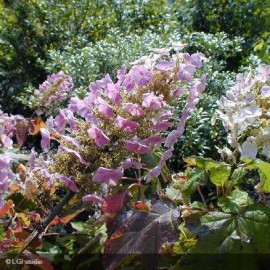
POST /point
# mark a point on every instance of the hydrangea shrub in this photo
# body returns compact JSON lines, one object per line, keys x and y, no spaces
{"x":244,"y":112}
{"x":109,"y":130}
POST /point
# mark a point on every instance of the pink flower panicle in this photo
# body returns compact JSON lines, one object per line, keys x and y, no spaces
{"x":52,"y":92}
{"x":6,"y":176}
{"x":132,"y":101}
{"x":108,"y":176}
{"x":100,"y":138}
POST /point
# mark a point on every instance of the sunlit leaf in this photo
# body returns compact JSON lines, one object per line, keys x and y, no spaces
{"x":35,"y":125}
{"x":68,"y":218}
{"x":191,"y":161}
{"x":264,"y":171}
{"x":141,"y":206}
{"x":5,"y":208}
{"x":25,"y":219}
{"x":219,"y":174}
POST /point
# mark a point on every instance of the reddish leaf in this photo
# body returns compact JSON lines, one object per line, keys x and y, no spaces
{"x":35,"y":217}
{"x":114,"y":203}
{"x":68,"y":218}
{"x":142,"y":233}
{"x":54,"y":221}
{"x":142,"y":206}
{"x":4,"y":210}
{"x":18,"y":228}
{"x":35,"y":125}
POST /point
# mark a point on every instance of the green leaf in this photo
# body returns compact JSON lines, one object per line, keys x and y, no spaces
{"x":250,"y":223}
{"x":186,"y":240}
{"x":233,"y":202}
{"x":244,"y":233}
{"x":191,"y":161}
{"x":1,"y":232}
{"x":82,"y":227}
{"x":49,"y":251}
{"x":264,"y":172}
{"x":219,"y":174}
{"x":239,"y":197}
{"x":201,"y":162}
{"x":197,"y":204}
{"x":196,"y":176}
{"x":173,"y":193}
{"x":238,"y":175}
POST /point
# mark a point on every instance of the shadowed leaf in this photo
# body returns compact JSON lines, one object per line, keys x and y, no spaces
{"x":142,"y":233}
{"x":232,"y":236}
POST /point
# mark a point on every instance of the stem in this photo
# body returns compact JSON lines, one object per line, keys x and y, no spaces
{"x":202,"y":197}
{"x":64,"y":234}
{"x":90,"y":243}
{"x":194,"y":208}
{"x":140,"y":191}
{"x":56,"y":210}
{"x":130,"y":178}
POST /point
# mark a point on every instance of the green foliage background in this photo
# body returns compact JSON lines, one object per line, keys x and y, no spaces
{"x":89,"y":38}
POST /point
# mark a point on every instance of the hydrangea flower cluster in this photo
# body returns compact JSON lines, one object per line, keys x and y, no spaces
{"x":7,"y":131}
{"x":244,"y":112}
{"x":51,"y":93}
{"x":108,"y":131}
{"x":6,"y":176}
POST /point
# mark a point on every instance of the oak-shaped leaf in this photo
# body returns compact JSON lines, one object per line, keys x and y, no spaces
{"x":237,"y":240}
{"x":233,"y":202}
{"x":143,"y":233}
{"x":113,"y":203}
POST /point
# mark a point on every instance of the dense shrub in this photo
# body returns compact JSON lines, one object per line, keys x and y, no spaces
{"x":113,"y":143}
{"x":95,"y":60}
{"x":31,"y":28}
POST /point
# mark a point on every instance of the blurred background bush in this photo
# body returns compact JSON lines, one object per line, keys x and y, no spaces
{"x":89,"y":38}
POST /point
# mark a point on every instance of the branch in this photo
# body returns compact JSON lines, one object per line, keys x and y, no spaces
{"x":202,"y":197}
{"x":56,"y":210}
{"x":64,"y":234}
{"x":90,"y":243}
